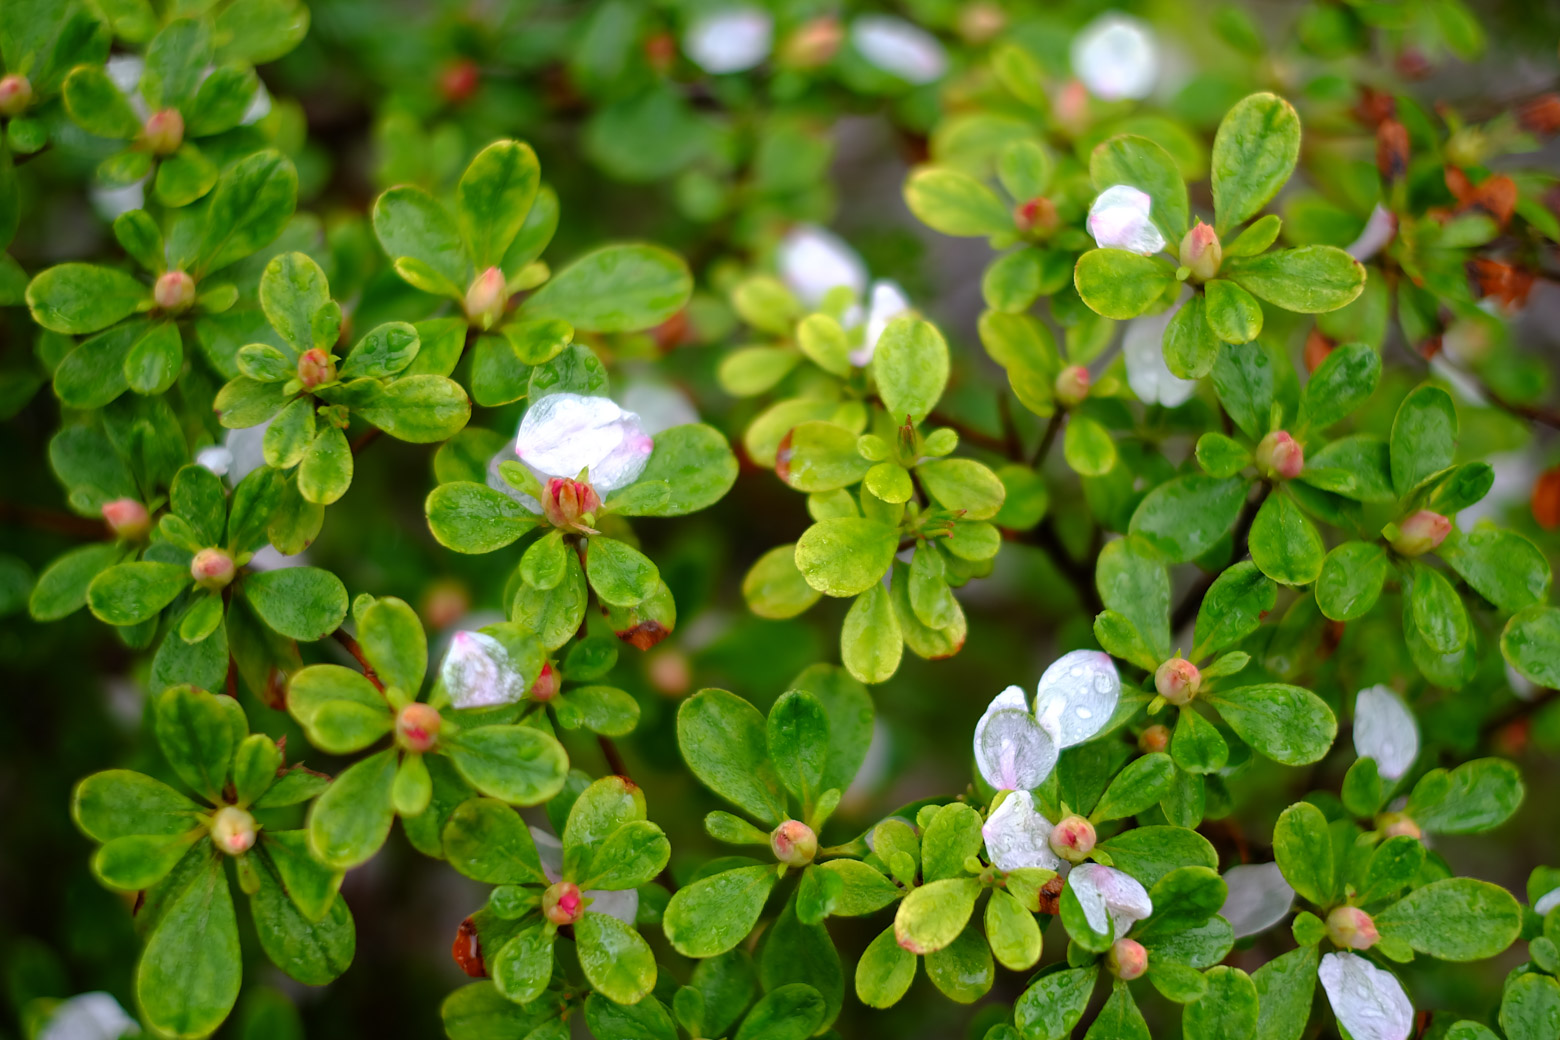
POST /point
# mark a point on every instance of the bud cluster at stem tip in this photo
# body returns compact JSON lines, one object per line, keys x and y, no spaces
{"x":1351,"y":928}
{"x":315,"y":368}
{"x":1419,"y":533}
{"x":16,"y":93}
{"x":233,"y":830}
{"x":1280,"y":457}
{"x":174,"y":292}
{"x":1201,"y":254}
{"x":1177,"y":680}
{"x":487,"y":298}
{"x":1073,"y":839}
{"x":164,"y":132}
{"x":563,"y":903}
{"x":1071,"y":386}
{"x":794,"y":843}
{"x":1127,"y":959}
{"x":417,"y":727}
{"x":127,"y":519}
{"x":570,"y":503}
{"x":212,"y":569}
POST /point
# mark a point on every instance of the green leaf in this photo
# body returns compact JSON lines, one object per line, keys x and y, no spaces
{"x":1351,"y":580}
{"x":306,"y":603}
{"x":515,"y":764}
{"x":1185,"y":517}
{"x":1476,"y":796}
{"x":820,"y":456}
{"x":188,"y":977}
{"x":411,"y":225}
{"x":910,"y":366}
{"x":1302,"y":845}
{"x":1121,"y":285}
{"x":312,"y":952}
{"x":1054,"y":1004}
{"x":418,"y":409}
{"x":1136,"y":788}
{"x":97,"y":106}
{"x":1233,"y":314}
{"x":1228,"y":1009}
{"x":790,"y":1012}
{"x":1341,"y":383}
{"x":61,"y":589}
{"x":473,"y":518}
{"x":494,"y":198}
{"x":951,"y":838}
{"x":1088,"y":447}
{"x":1286,"y":723}
{"x":80,"y":298}
{"x":964,"y":485}
{"x":1437,"y":610}
{"x":846,"y":556}
{"x":120,"y":803}
{"x":933,"y":915}
{"x":221,"y":100}
{"x":198,"y":733}
{"x":1307,"y":280}
{"x":326,"y":470}
{"x":1455,"y":919}
{"x":1232,"y":608}
{"x":487,"y":841}
{"x":1424,"y":437}
{"x":1254,"y":153}
{"x":351,"y":820}
{"x":798,"y":739}
{"x":1012,"y":932}
{"x":1120,"y":1018}
{"x":252,"y":202}
{"x":871,"y":640}
{"x":129,"y":593}
{"x":1285,"y":544}
{"x":617,"y":288}
{"x":1530,"y":642}
{"x":391,"y":637}
{"x":138,"y":861}
{"x":620,"y":574}
{"x":615,"y":959}
{"x":1197,"y":745}
{"x":794,"y":952}
{"x":962,"y":971}
{"x":155,"y":359}
{"x":1143,"y":164}
{"x":884,"y":972}
{"x":1285,"y":986}
{"x":724,"y":741}
{"x":717,"y":912}
{"x":955,"y":203}
{"x":294,"y":293}
{"x":524,"y":965}
{"x":1190,"y":346}
{"x":1502,"y":566}
{"x":774,"y":587}
{"x":1530,"y":1007}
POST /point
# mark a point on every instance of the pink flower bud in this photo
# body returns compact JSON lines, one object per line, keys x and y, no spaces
{"x":1201,"y":252}
{"x":563,"y":903}
{"x":459,"y":80}
{"x":174,"y":292}
{"x":315,"y":368}
{"x":1398,"y":825}
{"x":1037,"y":217}
{"x":233,"y":830}
{"x":16,"y":93}
{"x":1418,"y":534}
{"x":545,"y":688}
{"x":444,"y":603}
{"x":570,"y":503}
{"x":417,"y":727}
{"x":1154,"y":738}
{"x":1073,"y":839}
{"x":212,"y":569}
{"x":815,"y":43}
{"x":669,"y":672}
{"x":1177,"y":680}
{"x":487,"y":298}
{"x":127,"y":519}
{"x":980,"y":22}
{"x":1127,"y":959}
{"x":1280,"y":457}
{"x":794,"y":843}
{"x":1071,"y":386}
{"x":164,"y":132}
{"x":1351,"y":928}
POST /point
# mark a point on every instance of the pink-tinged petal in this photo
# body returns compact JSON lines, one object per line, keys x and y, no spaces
{"x":1018,"y":836}
{"x":732,"y":39}
{"x":1012,"y":752}
{"x":1078,"y":695}
{"x":899,"y":48}
{"x":1109,"y":898}
{"x":888,"y":302}
{"x":1119,"y":220}
{"x":565,"y":433}
{"x":1385,"y":730}
{"x":623,"y":905}
{"x":477,"y":672}
{"x":1369,"y":1001}
{"x":550,"y":851}
{"x":90,"y":1016}
{"x":1147,"y":374}
{"x":1115,"y":57}
{"x":1258,"y":898}
{"x":813,"y":261}
{"x":1379,"y":231}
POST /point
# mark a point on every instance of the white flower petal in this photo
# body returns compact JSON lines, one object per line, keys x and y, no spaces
{"x":1018,"y":836}
{"x":550,"y":851}
{"x":477,"y":672}
{"x":565,"y":433}
{"x":216,"y":458}
{"x":270,"y":558}
{"x":1385,"y":730}
{"x":246,"y":447}
{"x":813,"y":260}
{"x":1109,"y":895}
{"x":1078,"y":695}
{"x":125,"y":71}
{"x":1369,"y":1001}
{"x":1115,"y":57}
{"x":111,"y":203}
{"x":622,"y":905}
{"x":1119,"y":220}
{"x":496,"y":481}
{"x":1379,"y":230}
{"x":1547,"y":902}
{"x":1147,"y":374}
{"x":90,"y":1016}
{"x":1258,"y":898}
{"x":1012,"y":752}
{"x":899,"y":48}
{"x":660,"y":406}
{"x":733,"y":39}
{"x":888,"y":302}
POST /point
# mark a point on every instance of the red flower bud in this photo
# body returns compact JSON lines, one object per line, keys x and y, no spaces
{"x":1546,"y":499}
{"x":174,"y":292}
{"x":545,"y":688}
{"x":1154,"y":738}
{"x":417,"y":727}
{"x":1280,"y":457}
{"x":661,"y":51}
{"x":1177,"y":680}
{"x":794,"y":843}
{"x":459,"y":80}
{"x":1072,"y":839}
{"x":164,"y":132}
{"x":1127,"y":959}
{"x":1351,"y":928}
{"x":16,"y":93}
{"x":1071,"y":386}
{"x":212,"y":569}
{"x":1418,"y":534}
{"x":570,"y":503}
{"x":127,"y":519}
{"x":233,"y":830}
{"x":1037,"y":216}
{"x":1201,"y":252}
{"x":487,"y":298}
{"x":563,"y":903}
{"x":315,"y":368}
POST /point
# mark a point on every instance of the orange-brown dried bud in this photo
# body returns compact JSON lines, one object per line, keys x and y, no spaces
{"x":1391,"y":149}
{"x":1546,"y":499}
{"x":1154,"y":738}
{"x":1541,"y":115}
{"x":459,"y":80}
{"x":1502,"y":281}
{"x":661,"y":51}
{"x":1374,"y":106}
{"x":467,"y":950}
{"x":1317,"y":347}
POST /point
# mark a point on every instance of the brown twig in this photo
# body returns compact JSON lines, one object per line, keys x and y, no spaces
{"x":979,"y":438}
{"x":1517,"y":712}
{"x":52,"y":520}
{"x":364,"y":439}
{"x":341,"y":636}
{"x":614,"y":757}
{"x":1186,"y":610}
{"x":1052,"y":428}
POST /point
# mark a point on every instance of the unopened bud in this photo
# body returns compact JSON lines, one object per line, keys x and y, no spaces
{"x":127,"y":519}
{"x":670,"y":672}
{"x":444,"y":603}
{"x":315,"y":368}
{"x":487,"y":298}
{"x":1279,"y":456}
{"x":1351,"y":928}
{"x":1418,"y":534}
{"x":661,"y":51}
{"x":212,"y":569}
{"x":164,"y":132}
{"x":545,"y":688}
{"x":1127,"y":959}
{"x":570,"y":503}
{"x":16,"y":93}
{"x":1037,"y":217}
{"x":174,"y":292}
{"x":1539,"y":116}
{"x":1546,"y":499}
{"x":979,"y":22}
{"x":815,"y":43}
{"x":563,"y":903}
{"x":417,"y":727}
{"x":1154,"y":738}
{"x":1177,"y":680}
{"x":1071,"y":386}
{"x":1072,"y":839}
{"x":233,"y":830}
{"x":1398,"y":825}
{"x":794,"y":843}
{"x":1391,"y":149}
{"x":459,"y":80}
{"x":1201,"y":252}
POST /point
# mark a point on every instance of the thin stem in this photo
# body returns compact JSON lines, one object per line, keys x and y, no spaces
{"x":1186,"y":610}
{"x":53,"y":520}
{"x":968,"y":433}
{"x":1052,"y":428}
{"x":614,"y":757}
{"x":364,"y":439}
{"x":352,"y":647}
